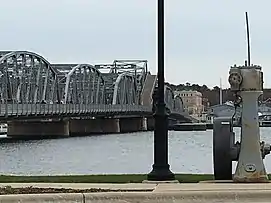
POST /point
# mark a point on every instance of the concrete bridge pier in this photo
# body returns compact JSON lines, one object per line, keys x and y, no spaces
{"x":132,"y":124}
{"x":150,"y":124}
{"x":94,"y":126}
{"x":37,"y":129}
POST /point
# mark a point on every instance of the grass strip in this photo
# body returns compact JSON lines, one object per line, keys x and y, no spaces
{"x":35,"y":190}
{"x":108,"y":178}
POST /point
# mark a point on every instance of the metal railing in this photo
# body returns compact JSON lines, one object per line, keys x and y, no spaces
{"x":29,"y":111}
{"x":17,"y":110}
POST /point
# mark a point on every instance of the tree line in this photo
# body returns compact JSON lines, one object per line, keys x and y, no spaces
{"x":211,"y":95}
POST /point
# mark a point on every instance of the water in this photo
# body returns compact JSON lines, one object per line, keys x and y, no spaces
{"x":189,"y":152}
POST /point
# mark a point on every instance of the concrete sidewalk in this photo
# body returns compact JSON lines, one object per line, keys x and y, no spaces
{"x":161,"y":187}
{"x":158,"y":193}
{"x":130,"y":186}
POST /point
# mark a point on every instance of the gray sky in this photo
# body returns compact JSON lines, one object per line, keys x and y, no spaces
{"x":203,"y":37}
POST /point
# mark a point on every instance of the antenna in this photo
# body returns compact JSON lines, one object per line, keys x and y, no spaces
{"x":220,"y":93}
{"x":248,"y":40}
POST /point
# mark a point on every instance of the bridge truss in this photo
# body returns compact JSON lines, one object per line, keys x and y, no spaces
{"x":31,"y":85}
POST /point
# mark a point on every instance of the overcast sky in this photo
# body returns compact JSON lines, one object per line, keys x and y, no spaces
{"x":203,"y":37}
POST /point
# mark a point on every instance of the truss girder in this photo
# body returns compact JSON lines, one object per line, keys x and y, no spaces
{"x":26,"y":77}
{"x":125,"y":90}
{"x":169,"y":98}
{"x":84,"y":85}
{"x":137,"y":68}
{"x":178,"y":104}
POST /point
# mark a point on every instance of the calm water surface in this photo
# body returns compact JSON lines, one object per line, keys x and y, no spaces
{"x":189,"y":152}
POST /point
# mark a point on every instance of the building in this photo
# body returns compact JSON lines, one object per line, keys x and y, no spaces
{"x":192,"y":101}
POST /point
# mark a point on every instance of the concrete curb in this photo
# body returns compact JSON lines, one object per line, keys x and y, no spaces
{"x":32,"y":198}
{"x":144,"y":197}
{"x":180,"y":197}
{"x":128,"y":186}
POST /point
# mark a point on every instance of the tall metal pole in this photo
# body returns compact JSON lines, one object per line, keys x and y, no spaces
{"x":248,"y":41}
{"x":161,"y":169}
{"x":220,"y":93}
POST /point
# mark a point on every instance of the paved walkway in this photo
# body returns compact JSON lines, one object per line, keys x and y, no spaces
{"x":158,"y":193}
{"x":130,"y":186}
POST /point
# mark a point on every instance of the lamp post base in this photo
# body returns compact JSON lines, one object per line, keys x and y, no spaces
{"x":160,"y":173}
{"x":161,"y":182}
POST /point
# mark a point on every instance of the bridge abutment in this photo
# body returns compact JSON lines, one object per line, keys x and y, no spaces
{"x":94,"y":126}
{"x":37,"y":129}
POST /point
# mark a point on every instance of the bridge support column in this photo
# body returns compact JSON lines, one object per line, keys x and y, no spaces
{"x":145,"y":124}
{"x":37,"y":129}
{"x":94,"y":126}
{"x":132,"y":124}
{"x":150,"y":124}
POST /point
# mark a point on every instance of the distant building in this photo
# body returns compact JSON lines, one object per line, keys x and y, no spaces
{"x":192,"y":101}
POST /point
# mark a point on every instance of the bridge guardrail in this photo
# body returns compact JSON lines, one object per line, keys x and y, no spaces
{"x":17,"y":110}
{"x":25,"y":111}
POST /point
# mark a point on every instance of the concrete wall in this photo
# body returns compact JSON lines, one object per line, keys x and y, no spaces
{"x":40,"y":129}
{"x":107,"y":125}
{"x":94,"y":126}
{"x":132,"y":124}
{"x":37,"y":128}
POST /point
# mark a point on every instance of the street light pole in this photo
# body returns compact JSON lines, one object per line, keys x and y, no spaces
{"x":161,"y":169}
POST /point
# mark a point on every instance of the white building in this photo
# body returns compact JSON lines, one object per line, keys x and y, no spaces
{"x":192,"y":101}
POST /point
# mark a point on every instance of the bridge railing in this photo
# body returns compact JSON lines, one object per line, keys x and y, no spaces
{"x":47,"y":110}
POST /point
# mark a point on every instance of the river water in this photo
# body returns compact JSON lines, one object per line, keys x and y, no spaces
{"x":189,"y":152}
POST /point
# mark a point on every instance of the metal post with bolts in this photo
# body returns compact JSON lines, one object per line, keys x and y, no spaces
{"x":247,"y":82}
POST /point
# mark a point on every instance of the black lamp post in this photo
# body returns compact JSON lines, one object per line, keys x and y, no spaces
{"x":161,"y":169}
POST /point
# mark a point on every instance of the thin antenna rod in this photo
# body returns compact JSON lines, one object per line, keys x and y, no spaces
{"x":248,"y":41}
{"x":220,"y":93}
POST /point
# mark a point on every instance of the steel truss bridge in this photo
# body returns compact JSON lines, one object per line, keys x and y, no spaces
{"x":30,"y":86}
